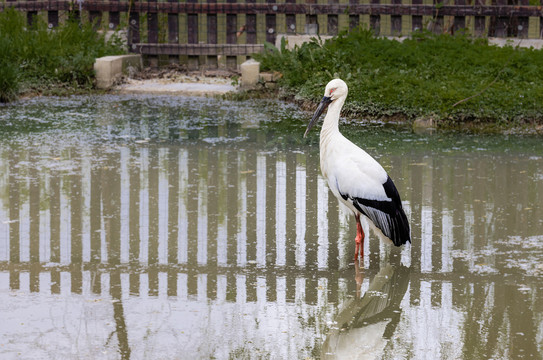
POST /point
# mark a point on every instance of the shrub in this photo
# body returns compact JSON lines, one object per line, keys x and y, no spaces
{"x":421,"y":76}
{"x":36,"y":58}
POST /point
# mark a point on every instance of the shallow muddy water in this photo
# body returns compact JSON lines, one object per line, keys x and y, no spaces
{"x":190,"y":228}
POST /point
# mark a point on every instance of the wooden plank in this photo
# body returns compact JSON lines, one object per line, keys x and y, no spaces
{"x":173,"y":32}
{"x":31,"y":16}
{"x":198,"y":49}
{"x":250,"y":26}
{"x":231,"y":28}
{"x":271,"y":24}
{"x":437,"y":21}
{"x":173,"y":27}
{"x":375,"y":19}
{"x":354,"y":19}
{"x":523,"y":22}
{"x":291,"y":20}
{"x":114,"y":18}
{"x":212,"y":62}
{"x":192,"y":27}
{"x":232,"y":24}
{"x":95,"y":18}
{"x":192,"y":35}
{"x":311,"y":20}
{"x":271,"y":32}
{"x":396,"y":21}
{"x":52,"y":19}
{"x":498,"y":24}
{"x":192,"y":22}
{"x":134,"y":29}
{"x":212,"y":29}
{"x":332,"y":20}
{"x":459,"y":21}
{"x":211,"y":20}
{"x":152,"y":25}
{"x":479,"y":21}
{"x":416,"y":20}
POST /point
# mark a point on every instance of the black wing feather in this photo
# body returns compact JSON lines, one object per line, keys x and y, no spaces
{"x":387,"y":215}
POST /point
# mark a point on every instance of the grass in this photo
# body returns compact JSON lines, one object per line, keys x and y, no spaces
{"x":39,"y":60}
{"x":422,"y":77}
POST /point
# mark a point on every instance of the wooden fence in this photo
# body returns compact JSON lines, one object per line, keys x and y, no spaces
{"x":224,"y":33}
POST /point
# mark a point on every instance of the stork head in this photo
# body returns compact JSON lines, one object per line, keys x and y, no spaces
{"x":334,"y":90}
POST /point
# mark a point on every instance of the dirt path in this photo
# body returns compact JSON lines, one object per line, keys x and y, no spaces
{"x":176,"y":80}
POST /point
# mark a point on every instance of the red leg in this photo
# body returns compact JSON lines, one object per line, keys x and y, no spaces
{"x":359,"y":240}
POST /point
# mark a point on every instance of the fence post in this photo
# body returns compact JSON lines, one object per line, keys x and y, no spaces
{"x":523,"y":22}
{"x":375,"y":20}
{"x":396,"y":21}
{"x":211,"y":19}
{"x":271,"y":22}
{"x":290,"y":19}
{"x":114,"y":18}
{"x":173,"y":32}
{"x":231,"y":29}
{"x":95,"y":17}
{"x":480,"y":21}
{"x":192,"y":37}
{"x":500,"y":28}
{"x":416,"y":20}
{"x":459,"y":21}
{"x":152,"y":32}
{"x":311,"y":21}
{"x":354,"y":19}
{"x":437,"y":25}
{"x":30,"y":15}
{"x":52,"y":18}
{"x":133,"y":29}
{"x":332,"y":28}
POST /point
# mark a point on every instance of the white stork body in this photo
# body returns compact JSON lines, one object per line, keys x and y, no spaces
{"x":356,"y":178}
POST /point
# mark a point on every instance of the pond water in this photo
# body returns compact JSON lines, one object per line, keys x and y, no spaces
{"x":185,"y":228}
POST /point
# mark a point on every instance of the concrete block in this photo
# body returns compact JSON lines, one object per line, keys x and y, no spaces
{"x":132,"y":61}
{"x":270,"y":76}
{"x":108,"y":69}
{"x":250,"y":71}
{"x":266,"y":77}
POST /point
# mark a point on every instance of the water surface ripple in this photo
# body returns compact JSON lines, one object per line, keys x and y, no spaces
{"x":182,"y":228}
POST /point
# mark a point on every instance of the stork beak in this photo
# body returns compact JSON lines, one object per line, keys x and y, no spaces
{"x":322,"y":106}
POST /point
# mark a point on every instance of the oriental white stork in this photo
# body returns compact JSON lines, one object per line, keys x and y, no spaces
{"x":355,"y":178}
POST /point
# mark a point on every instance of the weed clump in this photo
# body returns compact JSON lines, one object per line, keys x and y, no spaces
{"x":38,"y":59}
{"x":451,"y":78}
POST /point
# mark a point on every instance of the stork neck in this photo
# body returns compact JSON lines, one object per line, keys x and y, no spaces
{"x":331,"y":120}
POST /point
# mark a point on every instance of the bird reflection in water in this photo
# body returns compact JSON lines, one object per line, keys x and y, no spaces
{"x":366,"y":323}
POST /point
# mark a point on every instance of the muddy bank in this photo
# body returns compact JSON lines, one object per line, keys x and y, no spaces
{"x":223,"y":82}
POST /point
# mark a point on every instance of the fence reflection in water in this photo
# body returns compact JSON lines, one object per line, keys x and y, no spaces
{"x":249,"y":239}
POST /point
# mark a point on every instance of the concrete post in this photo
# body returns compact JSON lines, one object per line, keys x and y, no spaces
{"x":250,"y":71}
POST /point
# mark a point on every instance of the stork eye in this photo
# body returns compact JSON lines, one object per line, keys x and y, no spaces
{"x":332,"y":91}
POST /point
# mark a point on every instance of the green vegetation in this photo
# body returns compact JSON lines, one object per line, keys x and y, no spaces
{"x":423,"y":77}
{"x":37,"y":59}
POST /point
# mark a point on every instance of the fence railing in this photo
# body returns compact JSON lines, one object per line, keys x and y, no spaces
{"x":215,"y":33}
